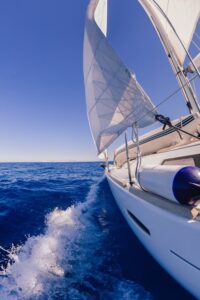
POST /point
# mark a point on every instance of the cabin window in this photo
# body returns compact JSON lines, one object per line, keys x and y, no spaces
{"x":138,"y":222}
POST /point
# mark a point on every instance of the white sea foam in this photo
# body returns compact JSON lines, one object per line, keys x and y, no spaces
{"x":57,"y":262}
{"x":41,"y":256}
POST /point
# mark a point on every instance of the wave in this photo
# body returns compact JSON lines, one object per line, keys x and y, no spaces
{"x":66,"y":261}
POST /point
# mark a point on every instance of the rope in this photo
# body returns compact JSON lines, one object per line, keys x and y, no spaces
{"x":186,"y":132}
{"x":168,"y":97}
{"x":167,"y":122}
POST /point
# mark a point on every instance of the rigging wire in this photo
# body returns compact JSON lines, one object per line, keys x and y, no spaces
{"x":195,"y":44}
{"x":194,"y":88}
{"x":128,"y":160}
{"x":168,"y":97}
{"x":139,"y":159}
{"x":135,"y":128}
{"x":167,"y":122}
{"x":196,"y":34}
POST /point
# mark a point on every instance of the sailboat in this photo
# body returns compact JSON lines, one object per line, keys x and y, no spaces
{"x":154,"y":178}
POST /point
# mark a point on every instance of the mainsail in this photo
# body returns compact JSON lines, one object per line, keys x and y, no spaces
{"x":175,"y":21}
{"x":115,"y":100}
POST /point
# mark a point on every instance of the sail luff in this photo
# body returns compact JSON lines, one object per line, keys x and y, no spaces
{"x":115,"y":100}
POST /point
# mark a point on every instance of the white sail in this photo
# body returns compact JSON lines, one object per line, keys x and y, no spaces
{"x":115,"y":100}
{"x":175,"y":20}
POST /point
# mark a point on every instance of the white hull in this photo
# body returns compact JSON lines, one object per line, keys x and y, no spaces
{"x":173,"y":241}
{"x":165,"y":228}
{"x":116,"y":101}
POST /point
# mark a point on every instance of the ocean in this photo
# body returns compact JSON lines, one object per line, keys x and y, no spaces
{"x":63,"y":237}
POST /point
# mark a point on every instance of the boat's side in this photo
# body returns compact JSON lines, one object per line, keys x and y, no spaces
{"x":172,"y":238}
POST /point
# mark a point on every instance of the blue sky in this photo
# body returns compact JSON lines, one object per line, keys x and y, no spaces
{"x":42,"y":100}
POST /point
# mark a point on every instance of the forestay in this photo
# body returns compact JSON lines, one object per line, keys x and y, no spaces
{"x":175,"y":21}
{"x":115,"y":100}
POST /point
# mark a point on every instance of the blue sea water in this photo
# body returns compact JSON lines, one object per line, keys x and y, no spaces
{"x":63,"y":237}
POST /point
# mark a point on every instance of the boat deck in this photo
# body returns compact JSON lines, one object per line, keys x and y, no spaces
{"x":181,"y":154}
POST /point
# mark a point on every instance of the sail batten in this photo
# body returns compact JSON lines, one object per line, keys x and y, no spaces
{"x":115,"y":100}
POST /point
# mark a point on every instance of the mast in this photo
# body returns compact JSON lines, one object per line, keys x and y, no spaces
{"x":164,"y":22}
{"x":190,"y":97}
{"x":187,"y":90}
